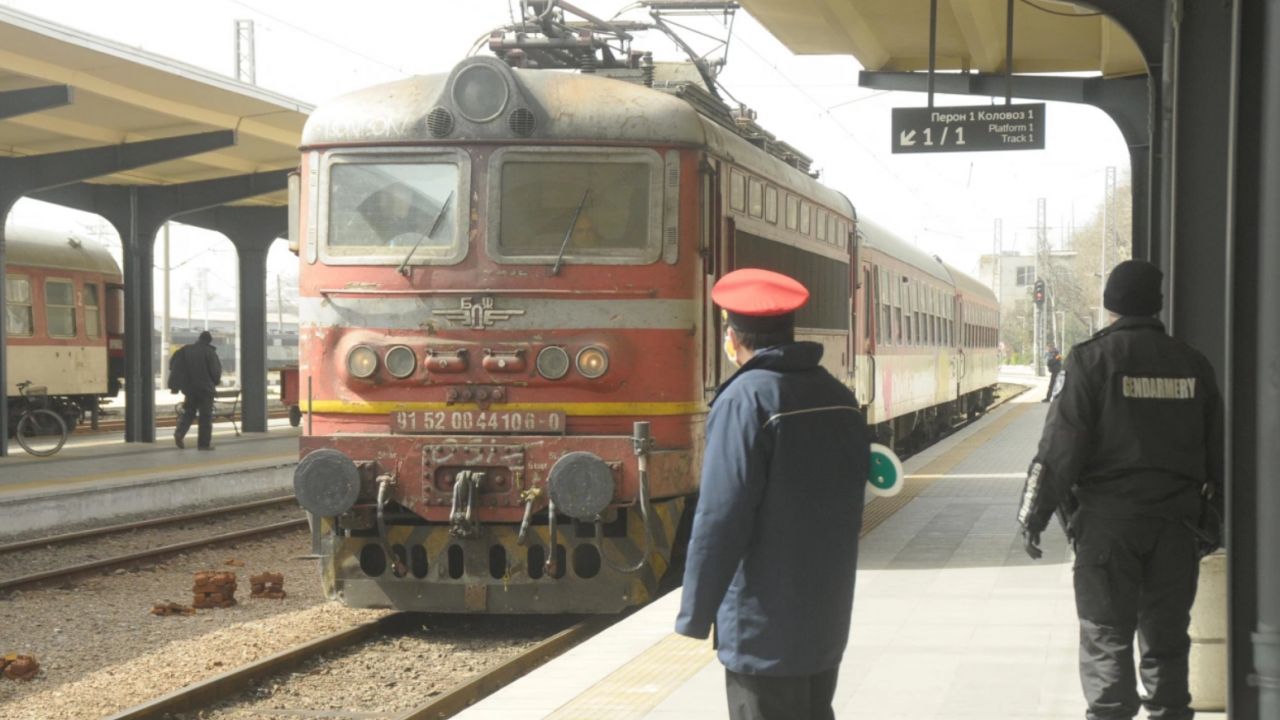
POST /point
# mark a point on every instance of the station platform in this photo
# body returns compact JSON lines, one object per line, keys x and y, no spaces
{"x":951,"y":619}
{"x":98,"y":476}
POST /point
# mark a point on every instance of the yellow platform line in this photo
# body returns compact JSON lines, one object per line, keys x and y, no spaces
{"x":634,"y":689}
{"x":135,"y":472}
{"x":881,"y":509}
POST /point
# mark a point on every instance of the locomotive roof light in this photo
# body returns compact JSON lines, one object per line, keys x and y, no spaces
{"x":592,"y":361}
{"x":362,"y":362}
{"x":553,"y":362}
{"x":480,"y":92}
{"x":401,"y":362}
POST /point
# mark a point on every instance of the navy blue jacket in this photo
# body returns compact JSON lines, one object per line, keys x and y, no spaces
{"x":774,"y":549}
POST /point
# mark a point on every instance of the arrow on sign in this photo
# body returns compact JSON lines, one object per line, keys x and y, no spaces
{"x":905,"y":138}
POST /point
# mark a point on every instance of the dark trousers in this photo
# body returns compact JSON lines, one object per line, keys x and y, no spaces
{"x":1053,"y":381}
{"x":1134,"y":575}
{"x":192,"y":403}
{"x":766,"y":697}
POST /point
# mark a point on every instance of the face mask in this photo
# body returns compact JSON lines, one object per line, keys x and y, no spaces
{"x":729,"y":350}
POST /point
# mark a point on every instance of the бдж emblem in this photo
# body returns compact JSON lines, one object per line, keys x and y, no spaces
{"x":477,"y":313}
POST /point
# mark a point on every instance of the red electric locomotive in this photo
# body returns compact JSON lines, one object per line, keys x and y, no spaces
{"x":507,"y":340}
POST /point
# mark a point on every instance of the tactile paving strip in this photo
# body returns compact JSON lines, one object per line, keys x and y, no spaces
{"x":634,"y":689}
{"x":880,"y":509}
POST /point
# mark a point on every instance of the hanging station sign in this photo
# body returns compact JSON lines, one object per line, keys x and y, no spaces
{"x":968,"y":128}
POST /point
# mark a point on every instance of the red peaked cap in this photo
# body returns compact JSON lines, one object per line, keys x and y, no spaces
{"x":759,"y":301}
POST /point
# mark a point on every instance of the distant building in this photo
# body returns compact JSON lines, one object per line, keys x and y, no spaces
{"x":1017,"y":274}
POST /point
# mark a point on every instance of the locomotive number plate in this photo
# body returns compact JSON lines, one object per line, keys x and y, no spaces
{"x":477,"y":422}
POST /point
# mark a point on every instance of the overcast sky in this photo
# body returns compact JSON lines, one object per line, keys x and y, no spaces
{"x":314,"y":50}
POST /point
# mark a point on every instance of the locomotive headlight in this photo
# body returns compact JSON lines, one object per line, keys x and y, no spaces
{"x":553,"y":362}
{"x":480,"y":93}
{"x":362,"y":361}
{"x":401,"y":361}
{"x":593,"y":361}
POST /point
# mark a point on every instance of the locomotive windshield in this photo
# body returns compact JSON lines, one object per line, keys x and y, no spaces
{"x":388,"y":208}
{"x":540,"y":199}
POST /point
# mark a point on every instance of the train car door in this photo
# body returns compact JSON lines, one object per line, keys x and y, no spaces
{"x":865,"y":387}
{"x":711,"y":245}
{"x":958,"y":360}
{"x":855,"y":284}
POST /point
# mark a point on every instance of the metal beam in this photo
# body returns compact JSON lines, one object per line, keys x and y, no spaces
{"x":14,"y":103}
{"x":23,"y":175}
{"x":252,"y":230}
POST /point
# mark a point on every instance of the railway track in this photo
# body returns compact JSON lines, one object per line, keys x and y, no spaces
{"x":201,"y":696}
{"x":134,"y":559}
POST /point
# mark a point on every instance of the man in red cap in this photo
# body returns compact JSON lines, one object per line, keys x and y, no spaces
{"x":774,"y":549}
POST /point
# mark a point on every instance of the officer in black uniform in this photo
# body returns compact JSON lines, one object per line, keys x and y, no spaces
{"x":1053,"y":361}
{"x":1131,"y":460}
{"x":774,"y":549}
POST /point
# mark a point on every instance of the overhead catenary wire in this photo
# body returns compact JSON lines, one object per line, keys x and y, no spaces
{"x":1061,"y":13}
{"x":848,"y":133}
{"x":321,"y":38}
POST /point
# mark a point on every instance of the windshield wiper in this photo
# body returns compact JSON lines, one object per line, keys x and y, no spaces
{"x":567,"y":233}
{"x":404,"y":266}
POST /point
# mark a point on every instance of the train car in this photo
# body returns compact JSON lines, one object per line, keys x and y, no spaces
{"x":507,"y":338}
{"x":64,"y":319}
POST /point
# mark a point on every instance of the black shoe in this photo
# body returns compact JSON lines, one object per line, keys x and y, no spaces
{"x":1045,"y":400}
{"x":177,"y":440}
{"x":207,"y":448}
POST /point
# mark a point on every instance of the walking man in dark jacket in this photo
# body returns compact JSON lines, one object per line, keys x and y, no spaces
{"x":774,"y":549}
{"x":1131,"y":458}
{"x":1053,"y":361}
{"x":195,"y":371}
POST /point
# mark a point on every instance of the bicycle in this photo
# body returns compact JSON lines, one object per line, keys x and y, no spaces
{"x":40,"y":431}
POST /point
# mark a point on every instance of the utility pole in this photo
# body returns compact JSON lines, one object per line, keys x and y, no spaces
{"x":204,"y":294}
{"x":1042,"y":264}
{"x":166,"y":331}
{"x":1108,"y":227}
{"x":279,"y":307}
{"x":997,"y":248}
{"x":190,"y":295}
{"x":246,"y":62}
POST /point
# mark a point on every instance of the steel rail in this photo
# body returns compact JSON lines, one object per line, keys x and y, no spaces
{"x":222,"y":686}
{"x":478,"y":687}
{"x":153,"y":522}
{"x":132,"y":558}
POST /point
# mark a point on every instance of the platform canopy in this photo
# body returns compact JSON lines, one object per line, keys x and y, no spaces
{"x":124,"y":95}
{"x":1049,"y":37}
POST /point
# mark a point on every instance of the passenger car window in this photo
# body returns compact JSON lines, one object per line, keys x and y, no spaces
{"x":737,"y":191}
{"x":60,"y":308}
{"x":771,"y":204}
{"x":17,"y":295}
{"x":92,"y":311}
{"x":806,"y":215}
{"x":793,"y":213}
{"x":756,"y":199}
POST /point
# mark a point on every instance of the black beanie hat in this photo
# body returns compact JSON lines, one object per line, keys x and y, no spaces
{"x":1134,"y":289}
{"x":206,"y":337}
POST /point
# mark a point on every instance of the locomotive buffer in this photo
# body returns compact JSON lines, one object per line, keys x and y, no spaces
{"x":970,"y":128}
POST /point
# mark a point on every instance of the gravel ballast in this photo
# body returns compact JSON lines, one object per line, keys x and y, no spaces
{"x":395,"y":673}
{"x":101,"y":650}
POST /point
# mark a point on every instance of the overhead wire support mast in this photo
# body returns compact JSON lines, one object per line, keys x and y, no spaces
{"x":933,"y":45}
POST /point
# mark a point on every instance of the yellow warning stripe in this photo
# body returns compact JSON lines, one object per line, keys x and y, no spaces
{"x":880,"y":509}
{"x":602,"y":409}
{"x":634,"y":689}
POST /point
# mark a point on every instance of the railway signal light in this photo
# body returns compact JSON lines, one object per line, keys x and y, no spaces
{"x":1039,"y":292}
